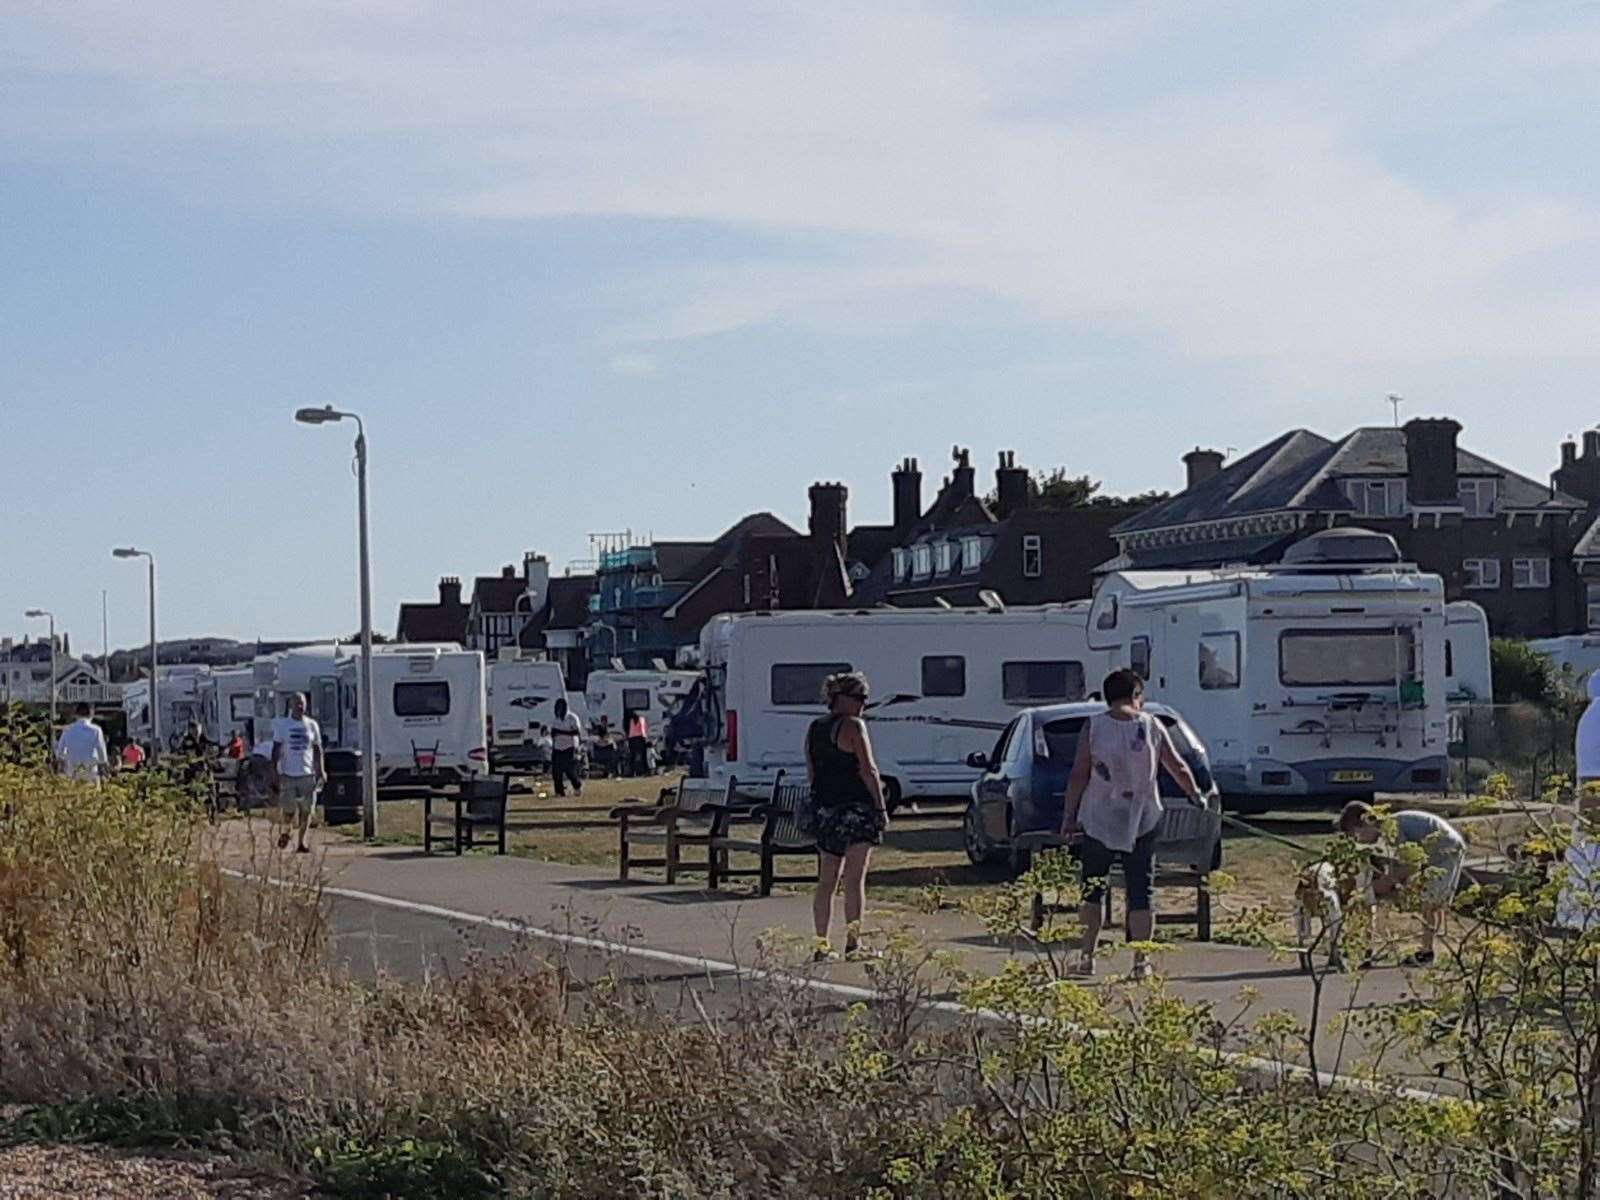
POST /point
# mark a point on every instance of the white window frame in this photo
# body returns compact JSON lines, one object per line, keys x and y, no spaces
{"x":945,"y":558}
{"x":971,"y":555}
{"x":1033,"y":544}
{"x":1530,"y":574}
{"x":902,"y":563}
{"x":1592,"y":598}
{"x":1391,"y":494}
{"x":1480,"y":574}
{"x":1477,"y":488}
{"x":921,"y":560}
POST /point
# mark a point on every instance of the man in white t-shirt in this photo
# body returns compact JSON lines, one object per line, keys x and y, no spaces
{"x":297,"y":755}
{"x":81,"y":749}
{"x":565,"y":729}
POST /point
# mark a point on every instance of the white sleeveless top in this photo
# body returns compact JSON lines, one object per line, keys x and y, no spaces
{"x":1122,"y":802}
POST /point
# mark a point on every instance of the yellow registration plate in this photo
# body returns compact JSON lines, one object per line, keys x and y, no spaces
{"x":1350,"y":776}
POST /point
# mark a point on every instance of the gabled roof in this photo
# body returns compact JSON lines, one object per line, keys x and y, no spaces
{"x":1589,"y":544}
{"x":566,"y":607}
{"x":432,"y":623}
{"x":1300,"y":471}
{"x":497,"y":593}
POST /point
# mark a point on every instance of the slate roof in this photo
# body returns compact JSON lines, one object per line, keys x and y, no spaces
{"x":1300,"y":470}
{"x":497,"y":593}
{"x":432,"y":623}
{"x":566,"y":607}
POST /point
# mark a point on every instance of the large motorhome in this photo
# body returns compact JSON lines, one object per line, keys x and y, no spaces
{"x":180,"y":700}
{"x":429,"y":713}
{"x":655,"y":693}
{"x":522,"y":695}
{"x":228,"y":703}
{"x":312,"y":669}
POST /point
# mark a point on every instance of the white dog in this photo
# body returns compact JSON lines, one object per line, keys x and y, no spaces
{"x":1318,"y":897}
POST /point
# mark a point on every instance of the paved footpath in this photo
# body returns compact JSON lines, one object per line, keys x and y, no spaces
{"x":397,"y":909}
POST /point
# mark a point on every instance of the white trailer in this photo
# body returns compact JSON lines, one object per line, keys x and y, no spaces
{"x":178,"y":690}
{"x":944,"y":683}
{"x":1576,"y":657}
{"x":1467,"y":669}
{"x":1299,"y":681}
{"x":430,"y":713}
{"x":611,"y":694}
{"x":522,"y":695}
{"x":228,"y":703}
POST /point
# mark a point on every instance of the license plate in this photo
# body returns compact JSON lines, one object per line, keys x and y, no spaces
{"x":1350,"y":776}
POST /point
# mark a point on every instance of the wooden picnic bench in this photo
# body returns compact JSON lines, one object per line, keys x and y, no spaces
{"x":476,"y":804}
{"x":780,"y":836}
{"x":1187,"y":846}
{"x":683,"y":817}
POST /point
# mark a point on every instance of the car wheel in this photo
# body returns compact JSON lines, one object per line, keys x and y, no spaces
{"x":980,"y":853}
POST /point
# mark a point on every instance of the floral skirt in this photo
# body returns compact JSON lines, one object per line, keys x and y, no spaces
{"x":840,"y":827}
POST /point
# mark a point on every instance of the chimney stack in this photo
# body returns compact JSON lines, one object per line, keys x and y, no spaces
{"x":829,"y":516}
{"x":1569,"y":452}
{"x":963,"y":480}
{"x":450,"y":590}
{"x":1577,"y":476}
{"x":1431,"y":460}
{"x":1591,"y":443}
{"x":907,"y":482}
{"x":536,"y":578}
{"x":1010,"y":485}
{"x":1200,"y":465}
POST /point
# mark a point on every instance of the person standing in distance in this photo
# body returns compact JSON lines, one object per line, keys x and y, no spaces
{"x":297,"y":755}
{"x":81,"y":749}
{"x":565,"y":730}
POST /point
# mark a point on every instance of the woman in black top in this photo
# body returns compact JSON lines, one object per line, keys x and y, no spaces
{"x":848,"y":800}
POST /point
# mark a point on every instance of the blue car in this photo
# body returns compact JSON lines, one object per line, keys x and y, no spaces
{"x":1024,"y":783}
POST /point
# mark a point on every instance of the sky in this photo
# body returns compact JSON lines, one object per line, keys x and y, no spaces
{"x":596,"y":267}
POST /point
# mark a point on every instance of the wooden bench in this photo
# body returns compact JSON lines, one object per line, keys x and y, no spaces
{"x":476,"y":804}
{"x":682,"y":818}
{"x":1186,"y":853}
{"x":780,"y":836}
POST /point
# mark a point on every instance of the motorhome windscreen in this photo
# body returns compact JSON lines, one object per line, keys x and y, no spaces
{"x":1346,"y":657}
{"x":1041,"y":682}
{"x":422,"y":699}
{"x":801,"y":683}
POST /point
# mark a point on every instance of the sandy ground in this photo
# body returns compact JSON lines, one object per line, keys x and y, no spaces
{"x":91,"y":1172}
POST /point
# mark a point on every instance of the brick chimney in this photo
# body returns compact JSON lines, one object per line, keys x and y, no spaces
{"x":450,"y":590}
{"x":1431,"y":460}
{"x":1577,"y":476}
{"x":508,"y":572}
{"x":907,"y":481}
{"x":962,"y":484}
{"x":829,"y":513}
{"x":1010,"y":485}
{"x":536,"y":580}
{"x":1200,"y":465}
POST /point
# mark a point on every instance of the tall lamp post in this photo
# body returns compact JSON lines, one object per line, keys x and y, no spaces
{"x":41,"y":612}
{"x":369,"y":762}
{"x":155,"y":695}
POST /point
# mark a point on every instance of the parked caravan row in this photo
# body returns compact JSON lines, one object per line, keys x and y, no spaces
{"x":655,"y":695}
{"x":1299,"y":681}
{"x":178,"y":692}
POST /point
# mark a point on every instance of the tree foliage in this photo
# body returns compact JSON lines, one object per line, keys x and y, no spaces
{"x":1056,"y":489}
{"x":1522,"y":674}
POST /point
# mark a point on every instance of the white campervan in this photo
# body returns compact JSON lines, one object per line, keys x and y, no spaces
{"x":1316,"y":677}
{"x":944,"y":682}
{"x":1467,"y":669}
{"x":228,"y":703}
{"x":522,"y":694}
{"x":611,"y":694}
{"x":178,"y":692}
{"x":429,"y":713}
{"x":312,"y":669}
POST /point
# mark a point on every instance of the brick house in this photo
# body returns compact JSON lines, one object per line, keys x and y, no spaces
{"x":1498,"y":538}
{"x":557,"y":629}
{"x":445,"y":620}
{"x":1579,"y":476}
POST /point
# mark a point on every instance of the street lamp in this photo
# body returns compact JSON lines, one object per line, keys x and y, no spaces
{"x":369,"y":760}
{"x":41,"y":612}
{"x":155,"y":691}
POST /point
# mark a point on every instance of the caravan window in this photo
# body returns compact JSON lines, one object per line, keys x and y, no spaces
{"x":1346,"y":657}
{"x":431,"y":699}
{"x":241,"y":708}
{"x":1139,"y":657}
{"x":1219,"y":662}
{"x":944,"y":675}
{"x":636,"y":698}
{"x":1039,"y":682}
{"x":801,"y":683}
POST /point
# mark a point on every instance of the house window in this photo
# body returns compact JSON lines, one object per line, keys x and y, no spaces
{"x":902,"y":564}
{"x":1530,"y":572}
{"x":1478,"y":497}
{"x":946,"y":557}
{"x":1032,"y":556}
{"x":1593,"y":595}
{"x":922,"y":561}
{"x":1481,"y":574}
{"x":971,"y":555}
{"x":944,"y":675}
{"x":1219,"y":662}
{"x":1377,"y":497}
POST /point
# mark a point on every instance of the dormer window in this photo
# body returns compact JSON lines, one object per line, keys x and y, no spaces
{"x":971,"y":555}
{"x":1377,"y":497}
{"x":922,"y":561}
{"x":902,"y":564}
{"x":1479,"y":497}
{"x":946,"y":557}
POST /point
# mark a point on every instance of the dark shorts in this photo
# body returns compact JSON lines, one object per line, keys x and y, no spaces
{"x":1096,"y":859}
{"x":839,"y":828}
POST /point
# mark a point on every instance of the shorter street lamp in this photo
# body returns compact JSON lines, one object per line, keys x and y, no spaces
{"x":42,"y":612}
{"x":155,"y":699}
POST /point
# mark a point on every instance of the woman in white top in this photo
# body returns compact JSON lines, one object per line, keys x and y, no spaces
{"x":1114,"y":804}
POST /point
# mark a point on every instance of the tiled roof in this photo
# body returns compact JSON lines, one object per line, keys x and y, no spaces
{"x":432,"y":623}
{"x":497,"y":593}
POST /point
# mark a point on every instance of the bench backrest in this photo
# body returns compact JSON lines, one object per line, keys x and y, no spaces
{"x":1188,"y":835}
{"x":696,"y":794}
{"x":485,"y":797}
{"x":781,"y":828}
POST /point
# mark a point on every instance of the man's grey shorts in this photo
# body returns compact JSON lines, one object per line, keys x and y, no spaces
{"x":297,"y":793}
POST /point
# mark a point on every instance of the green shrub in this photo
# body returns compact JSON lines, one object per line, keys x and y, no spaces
{"x":1521,"y":674}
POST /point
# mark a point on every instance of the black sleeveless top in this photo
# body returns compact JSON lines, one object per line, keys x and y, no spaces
{"x":836,"y":780}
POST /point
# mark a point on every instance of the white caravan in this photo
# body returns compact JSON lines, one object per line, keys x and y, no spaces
{"x":522,"y":695}
{"x":312,"y":669}
{"x":1467,"y":669}
{"x":429,"y":713}
{"x":1576,"y":657}
{"x":180,"y":699}
{"x":1299,"y":681}
{"x":944,"y":683}
{"x":654,"y":693}
{"x":228,"y":703}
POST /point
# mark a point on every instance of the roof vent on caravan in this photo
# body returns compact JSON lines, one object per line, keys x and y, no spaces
{"x":1343,"y":549}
